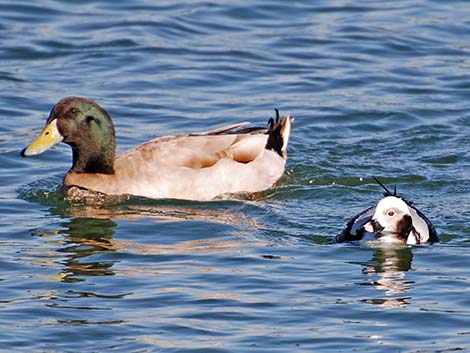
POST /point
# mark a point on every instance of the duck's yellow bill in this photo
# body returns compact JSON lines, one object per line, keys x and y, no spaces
{"x":48,"y":137}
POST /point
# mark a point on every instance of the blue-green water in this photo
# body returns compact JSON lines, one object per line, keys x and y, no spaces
{"x":377,"y":88}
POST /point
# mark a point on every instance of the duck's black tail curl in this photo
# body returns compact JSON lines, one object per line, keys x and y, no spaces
{"x":279,"y":131}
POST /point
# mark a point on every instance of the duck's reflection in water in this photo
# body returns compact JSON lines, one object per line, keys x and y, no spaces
{"x":85,"y":237}
{"x":89,"y":232}
{"x":386,"y":271}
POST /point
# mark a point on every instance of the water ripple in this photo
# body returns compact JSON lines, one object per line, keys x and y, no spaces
{"x":377,"y":89}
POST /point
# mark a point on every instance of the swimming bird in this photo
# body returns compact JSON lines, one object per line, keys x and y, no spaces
{"x":192,"y":166}
{"x":392,"y":220}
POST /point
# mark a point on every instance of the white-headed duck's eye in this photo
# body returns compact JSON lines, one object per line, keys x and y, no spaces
{"x":391,"y":213}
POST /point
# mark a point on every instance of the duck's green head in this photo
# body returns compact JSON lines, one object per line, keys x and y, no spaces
{"x":86,"y":127}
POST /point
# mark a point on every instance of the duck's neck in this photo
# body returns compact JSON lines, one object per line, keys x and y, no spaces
{"x":93,"y":160}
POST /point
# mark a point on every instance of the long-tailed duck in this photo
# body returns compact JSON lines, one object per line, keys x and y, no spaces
{"x":392,"y":220}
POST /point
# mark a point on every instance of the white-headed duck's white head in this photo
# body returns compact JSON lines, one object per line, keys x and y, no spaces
{"x":390,"y":212}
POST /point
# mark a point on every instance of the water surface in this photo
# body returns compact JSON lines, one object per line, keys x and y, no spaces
{"x":377,"y":88}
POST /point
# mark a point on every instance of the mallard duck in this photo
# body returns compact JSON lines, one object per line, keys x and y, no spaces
{"x":192,"y":166}
{"x":392,"y":220}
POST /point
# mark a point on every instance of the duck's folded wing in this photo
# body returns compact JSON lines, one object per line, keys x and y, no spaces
{"x":196,"y":150}
{"x":221,"y":130}
{"x":423,"y":226}
{"x":355,"y":228}
{"x":205,"y":151}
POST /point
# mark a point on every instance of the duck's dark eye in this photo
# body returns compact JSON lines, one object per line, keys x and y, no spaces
{"x":73,"y":111}
{"x":390,"y":213}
